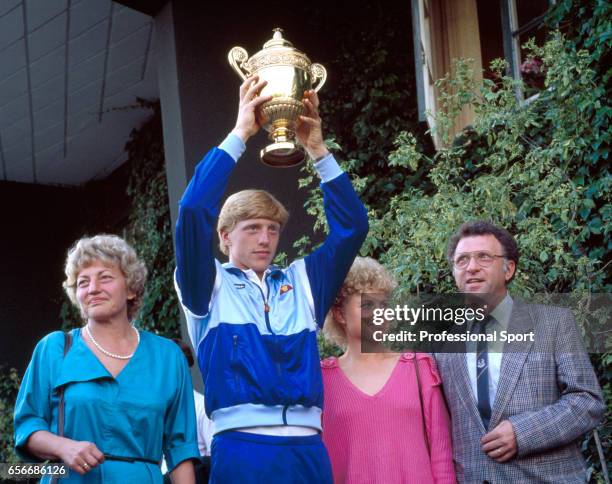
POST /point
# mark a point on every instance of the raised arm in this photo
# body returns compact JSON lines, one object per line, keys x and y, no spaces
{"x":199,"y":206}
{"x":346,"y":216}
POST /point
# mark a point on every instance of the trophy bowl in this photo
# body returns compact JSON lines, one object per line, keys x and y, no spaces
{"x":289,"y":73}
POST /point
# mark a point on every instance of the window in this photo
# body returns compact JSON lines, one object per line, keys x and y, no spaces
{"x":478,"y":29}
{"x":521,"y":20}
{"x":443,"y":30}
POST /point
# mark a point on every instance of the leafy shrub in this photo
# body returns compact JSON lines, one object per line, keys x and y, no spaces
{"x":539,"y":169}
{"x":149,"y":228}
{"x":9,"y":386}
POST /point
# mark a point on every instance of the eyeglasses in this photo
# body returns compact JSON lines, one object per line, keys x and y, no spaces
{"x":483,"y":259}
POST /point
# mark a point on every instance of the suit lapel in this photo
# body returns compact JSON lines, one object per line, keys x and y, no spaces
{"x":513,"y":359}
{"x":461,"y":380}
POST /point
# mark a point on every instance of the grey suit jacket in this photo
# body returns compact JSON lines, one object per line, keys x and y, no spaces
{"x":547,"y":389}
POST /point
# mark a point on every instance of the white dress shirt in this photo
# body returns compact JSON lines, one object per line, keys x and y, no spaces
{"x":495,"y":349}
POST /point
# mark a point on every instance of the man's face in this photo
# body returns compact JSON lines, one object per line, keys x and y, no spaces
{"x":474,"y":278}
{"x":252,"y":243}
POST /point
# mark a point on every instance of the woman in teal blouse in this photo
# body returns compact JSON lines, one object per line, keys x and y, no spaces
{"x":127,"y":393}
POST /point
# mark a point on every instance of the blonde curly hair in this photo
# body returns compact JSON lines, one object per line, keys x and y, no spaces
{"x":366,"y":275}
{"x":109,"y":249}
{"x":248,"y":204}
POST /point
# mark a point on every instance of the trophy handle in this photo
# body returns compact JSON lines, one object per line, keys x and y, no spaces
{"x":237,"y":57}
{"x":318,"y":73}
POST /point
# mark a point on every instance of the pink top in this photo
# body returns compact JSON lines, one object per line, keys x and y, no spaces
{"x":379,"y":438}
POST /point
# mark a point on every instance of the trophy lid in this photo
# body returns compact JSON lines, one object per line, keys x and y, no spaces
{"x":277,"y":40}
{"x":277,"y":51}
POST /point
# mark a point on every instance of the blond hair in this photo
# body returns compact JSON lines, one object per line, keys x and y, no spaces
{"x":366,"y":275}
{"x":248,"y":204}
{"x":108,"y":249}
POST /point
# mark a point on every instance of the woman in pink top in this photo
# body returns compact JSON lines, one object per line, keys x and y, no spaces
{"x":374,"y":426}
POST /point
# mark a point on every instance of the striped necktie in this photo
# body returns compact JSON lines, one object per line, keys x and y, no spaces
{"x":482,"y":372}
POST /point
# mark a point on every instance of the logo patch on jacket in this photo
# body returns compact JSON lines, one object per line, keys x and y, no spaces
{"x":239,"y":286}
{"x":285,"y":288}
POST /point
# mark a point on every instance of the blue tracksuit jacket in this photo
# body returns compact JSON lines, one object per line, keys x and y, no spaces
{"x":258,"y":355}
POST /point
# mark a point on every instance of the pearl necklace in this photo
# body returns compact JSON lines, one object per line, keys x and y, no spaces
{"x":108,"y":353}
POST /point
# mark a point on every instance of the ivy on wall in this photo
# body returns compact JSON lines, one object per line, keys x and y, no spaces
{"x":9,"y":386}
{"x":149,"y":228}
{"x":540,"y":169}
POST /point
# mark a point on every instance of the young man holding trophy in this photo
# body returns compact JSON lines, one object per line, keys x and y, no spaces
{"x":254,"y":325}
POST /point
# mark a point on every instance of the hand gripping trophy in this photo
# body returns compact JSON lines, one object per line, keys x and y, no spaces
{"x":289,"y":74}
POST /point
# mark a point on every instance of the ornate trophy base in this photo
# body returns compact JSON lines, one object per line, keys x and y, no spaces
{"x":282,"y":155}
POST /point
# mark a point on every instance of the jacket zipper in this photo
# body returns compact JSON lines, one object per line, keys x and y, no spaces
{"x":267,"y":316}
{"x":235,"y":360}
{"x":266,"y":307}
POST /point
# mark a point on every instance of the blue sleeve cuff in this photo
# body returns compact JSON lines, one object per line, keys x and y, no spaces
{"x":22,"y":434}
{"x":180,"y":453}
{"x":328,"y":168}
{"x":233,"y":146}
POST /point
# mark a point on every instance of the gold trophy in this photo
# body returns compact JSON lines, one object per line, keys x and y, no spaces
{"x":289,"y":73}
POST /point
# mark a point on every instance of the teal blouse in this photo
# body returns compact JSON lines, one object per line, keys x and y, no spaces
{"x":146,"y":410}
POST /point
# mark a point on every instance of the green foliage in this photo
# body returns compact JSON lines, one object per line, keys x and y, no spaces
{"x":149,"y":228}
{"x":371,"y":101}
{"x":9,"y":386}
{"x":364,"y":108}
{"x":69,"y":316}
{"x":540,"y":169}
{"x":327,"y":348}
{"x":587,"y":25}
{"x":529,"y":168}
{"x":603,"y":366}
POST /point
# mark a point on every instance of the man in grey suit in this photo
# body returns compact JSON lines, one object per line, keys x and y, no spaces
{"x":517,"y":414}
